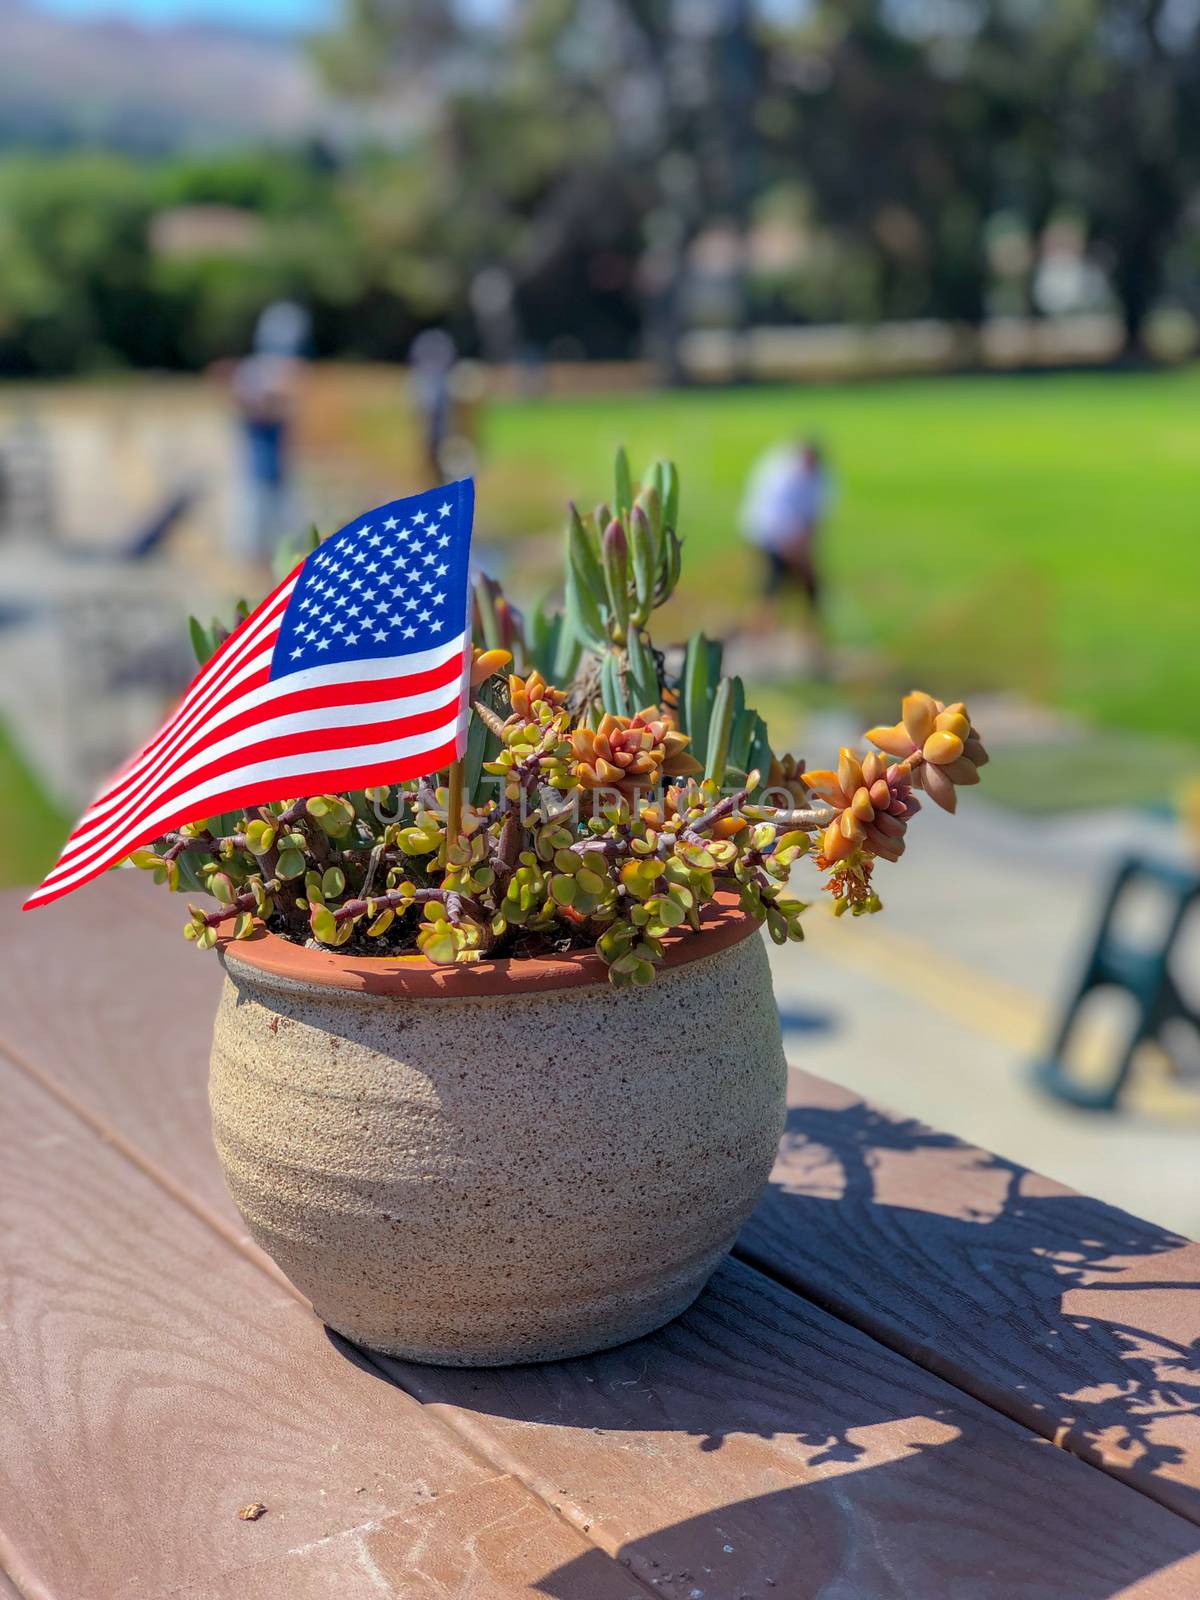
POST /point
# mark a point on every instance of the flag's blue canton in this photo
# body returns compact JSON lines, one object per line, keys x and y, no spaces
{"x":388,"y":584}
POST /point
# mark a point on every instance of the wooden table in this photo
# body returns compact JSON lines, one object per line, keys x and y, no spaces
{"x":924,"y":1373}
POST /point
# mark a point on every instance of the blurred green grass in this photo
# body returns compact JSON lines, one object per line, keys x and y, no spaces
{"x":33,"y":828}
{"x":1035,"y":534}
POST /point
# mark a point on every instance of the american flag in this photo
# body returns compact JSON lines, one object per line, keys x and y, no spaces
{"x":352,"y":673}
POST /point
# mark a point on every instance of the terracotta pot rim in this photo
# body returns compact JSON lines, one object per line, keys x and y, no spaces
{"x":413,"y":977}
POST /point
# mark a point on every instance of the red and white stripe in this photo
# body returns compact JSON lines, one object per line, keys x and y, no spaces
{"x":239,"y":737}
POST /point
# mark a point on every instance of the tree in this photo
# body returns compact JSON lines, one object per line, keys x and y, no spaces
{"x":1130,"y":122}
{"x":75,"y":264}
{"x":925,"y":122}
{"x":1095,"y":105}
{"x":895,"y":149}
{"x":578,"y":146}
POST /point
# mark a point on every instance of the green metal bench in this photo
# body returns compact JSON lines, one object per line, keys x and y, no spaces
{"x":1142,"y":972}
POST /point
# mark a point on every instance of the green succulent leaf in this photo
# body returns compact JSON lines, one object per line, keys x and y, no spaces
{"x":291,"y":864}
{"x":563,"y":889}
{"x":622,"y":482}
{"x":583,"y":556}
{"x":697,"y":695}
{"x":202,"y":643}
{"x":670,"y":495}
{"x":644,"y":554}
{"x":612,"y":691}
{"x":583,"y":617}
{"x":643,"y":674}
{"x":720,"y":726}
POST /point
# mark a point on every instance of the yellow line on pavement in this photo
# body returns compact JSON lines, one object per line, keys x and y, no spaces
{"x":1003,"y":1011}
{"x":1000,"y":1010}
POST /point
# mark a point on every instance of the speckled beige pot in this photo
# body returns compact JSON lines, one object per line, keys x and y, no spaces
{"x":501,"y":1163}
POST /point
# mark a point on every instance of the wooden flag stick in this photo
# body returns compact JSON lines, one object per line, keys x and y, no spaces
{"x":454,"y":804}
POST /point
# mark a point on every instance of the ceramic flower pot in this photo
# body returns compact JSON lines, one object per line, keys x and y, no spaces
{"x":505,"y":1162}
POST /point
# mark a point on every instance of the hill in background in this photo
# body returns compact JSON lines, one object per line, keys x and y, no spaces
{"x":111,"y":82}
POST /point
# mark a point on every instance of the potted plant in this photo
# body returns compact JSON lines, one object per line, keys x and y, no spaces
{"x":497,"y":1072}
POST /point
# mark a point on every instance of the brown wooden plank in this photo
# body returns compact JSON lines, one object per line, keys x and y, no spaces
{"x":99,"y":987}
{"x":760,"y":1446}
{"x":1074,"y":1318}
{"x":480,"y":1542}
{"x":155,"y":1381}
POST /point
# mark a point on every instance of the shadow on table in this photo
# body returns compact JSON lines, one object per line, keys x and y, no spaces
{"x":1076,"y":1317}
{"x":908,"y":1488}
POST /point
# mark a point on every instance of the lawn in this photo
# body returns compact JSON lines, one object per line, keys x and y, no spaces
{"x":33,"y":829}
{"x":1038,"y":534}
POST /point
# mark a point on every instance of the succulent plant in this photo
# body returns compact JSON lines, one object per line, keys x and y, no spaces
{"x":632,"y":753}
{"x":607,"y":808}
{"x":951,"y":749}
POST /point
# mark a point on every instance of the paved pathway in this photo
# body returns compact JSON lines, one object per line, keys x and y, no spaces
{"x":936,"y":1006}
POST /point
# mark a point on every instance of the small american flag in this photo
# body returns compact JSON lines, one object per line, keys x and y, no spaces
{"x":352,"y":673}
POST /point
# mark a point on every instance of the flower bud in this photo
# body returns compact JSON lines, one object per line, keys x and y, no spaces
{"x":615,"y":543}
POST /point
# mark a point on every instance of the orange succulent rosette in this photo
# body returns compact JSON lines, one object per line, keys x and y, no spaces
{"x":629,"y":753}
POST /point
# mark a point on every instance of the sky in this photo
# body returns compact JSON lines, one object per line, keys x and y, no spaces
{"x":256,"y":14}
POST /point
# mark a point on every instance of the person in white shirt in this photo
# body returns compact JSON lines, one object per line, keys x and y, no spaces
{"x":786,"y":499}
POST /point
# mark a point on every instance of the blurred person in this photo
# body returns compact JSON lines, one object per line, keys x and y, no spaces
{"x":787,"y":497}
{"x":265,"y":385}
{"x":431,"y":361}
{"x":492,"y":295}
{"x":447,"y":394}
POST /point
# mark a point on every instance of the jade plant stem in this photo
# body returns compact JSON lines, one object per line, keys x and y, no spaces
{"x":397,"y":899}
{"x":454,"y":803}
